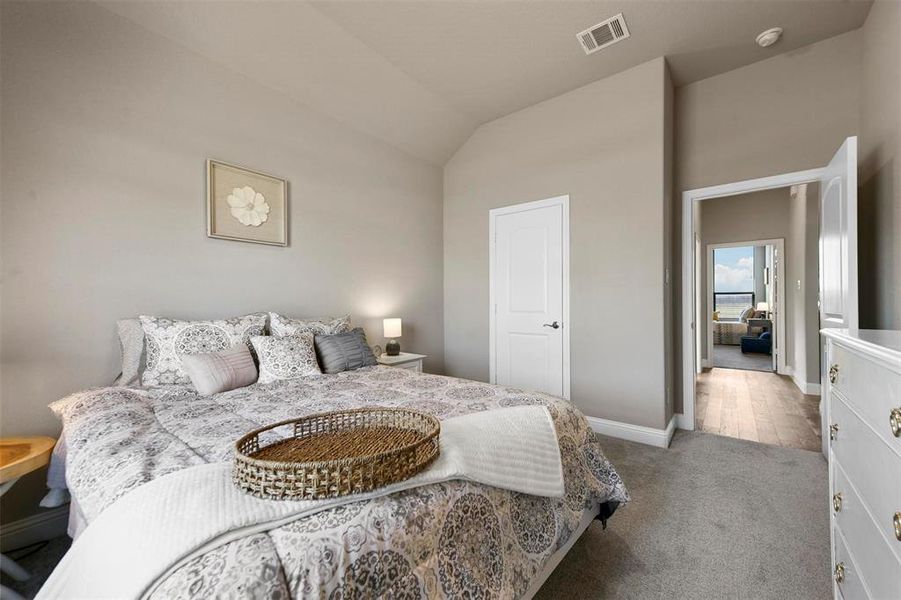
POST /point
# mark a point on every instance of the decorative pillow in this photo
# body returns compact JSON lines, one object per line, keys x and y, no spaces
{"x":131,"y":342}
{"x":746,"y":314}
{"x":216,"y":372}
{"x":288,"y":357}
{"x":281,"y":326}
{"x":344,"y":351}
{"x":167,"y":340}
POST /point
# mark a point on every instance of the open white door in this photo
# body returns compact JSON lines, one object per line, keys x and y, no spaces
{"x":838,"y":255}
{"x":838,"y":239}
{"x":529,"y":272}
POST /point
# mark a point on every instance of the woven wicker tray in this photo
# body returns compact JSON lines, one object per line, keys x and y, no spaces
{"x":336,"y":453}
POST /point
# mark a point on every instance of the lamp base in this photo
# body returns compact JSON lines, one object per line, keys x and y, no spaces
{"x":392,"y":348}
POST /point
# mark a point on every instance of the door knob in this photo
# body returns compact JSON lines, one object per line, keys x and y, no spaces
{"x":554,"y":325}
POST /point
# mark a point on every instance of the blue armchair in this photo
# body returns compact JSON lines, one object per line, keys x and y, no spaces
{"x":762,"y":344}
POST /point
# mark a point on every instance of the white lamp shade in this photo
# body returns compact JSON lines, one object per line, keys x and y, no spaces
{"x":392,"y":328}
{"x":763,"y":306}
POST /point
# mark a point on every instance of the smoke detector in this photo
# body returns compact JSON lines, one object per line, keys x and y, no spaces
{"x":769,"y":37}
{"x":603,"y":34}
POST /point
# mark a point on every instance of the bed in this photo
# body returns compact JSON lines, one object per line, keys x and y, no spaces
{"x":729,"y":333}
{"x":451,"y":539}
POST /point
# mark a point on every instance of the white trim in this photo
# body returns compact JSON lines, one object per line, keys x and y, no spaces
{"x":706,"y":363}
{"x":562,"y":201}
{"x":683,"y":423}
{"x":688,"y":259}
{"x":779,"y":243}
{"x":634,"y":433}
{"x":45,"y":525}
{"x":556,"y":558}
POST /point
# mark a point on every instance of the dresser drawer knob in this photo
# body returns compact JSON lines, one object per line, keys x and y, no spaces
{"x":837,"y":501}
{"x":896,"y":521}
{"x":833,"y":431}
{"x":895,"y":421}
{"x":840,"y":572}
{"x":833,"y":373}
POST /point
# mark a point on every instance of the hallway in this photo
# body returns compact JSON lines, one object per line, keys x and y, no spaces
{"x":756,"y":406}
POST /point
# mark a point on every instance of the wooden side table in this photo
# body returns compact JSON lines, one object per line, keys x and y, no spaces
{"x":18,"y":457}
{"x":404,"y":360}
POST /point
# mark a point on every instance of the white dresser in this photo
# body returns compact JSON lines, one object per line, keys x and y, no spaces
{"x":862,"y":400}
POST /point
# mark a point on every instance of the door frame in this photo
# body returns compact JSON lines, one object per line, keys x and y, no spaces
{"x":493,"y":214}
{"x":779,"y":243}
{"x":687,"y":419}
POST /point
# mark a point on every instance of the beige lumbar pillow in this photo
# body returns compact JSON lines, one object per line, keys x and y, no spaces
{"x":215,"y":372}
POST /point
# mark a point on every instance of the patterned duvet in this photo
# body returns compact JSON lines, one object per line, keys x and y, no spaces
{"x":453,"y":539}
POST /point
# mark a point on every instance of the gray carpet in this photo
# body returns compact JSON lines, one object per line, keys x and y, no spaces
{"x":731,"y":357}
{"x":711,"y":517}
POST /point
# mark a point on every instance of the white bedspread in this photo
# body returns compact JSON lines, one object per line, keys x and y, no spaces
{"x":152,"y":530}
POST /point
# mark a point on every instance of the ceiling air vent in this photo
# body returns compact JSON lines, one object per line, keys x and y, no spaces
{"x":603,"y":34}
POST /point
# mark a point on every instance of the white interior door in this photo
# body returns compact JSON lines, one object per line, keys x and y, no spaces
{"x":838,"y":239}
{"x":528,"y":283}
{"x":838,"y":256}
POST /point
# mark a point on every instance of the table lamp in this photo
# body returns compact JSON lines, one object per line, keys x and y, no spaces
{"x":392,"y":329}
{"x":763,"y":307}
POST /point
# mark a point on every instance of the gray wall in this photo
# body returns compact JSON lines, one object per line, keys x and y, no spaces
{"x":787,"y":113}
{"x":879,"y":202}
{"x":105,"y":131}
{"x":604,"y":145}
{"x":804,"y":263}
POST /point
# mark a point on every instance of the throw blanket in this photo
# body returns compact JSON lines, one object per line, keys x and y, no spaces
{"x":161,"y":525}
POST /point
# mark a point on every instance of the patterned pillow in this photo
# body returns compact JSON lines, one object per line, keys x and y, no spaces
{"x":281,"y":326}
{"x":167,"y":340}
{"x":288,"y":357}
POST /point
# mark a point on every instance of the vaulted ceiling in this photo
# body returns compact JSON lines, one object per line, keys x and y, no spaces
{"x":423,"y":75}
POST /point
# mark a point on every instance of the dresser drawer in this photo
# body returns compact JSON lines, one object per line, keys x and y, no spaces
{"x":850,"y":585}
{"x":874,"y":390}
{"x":875,"y":561}
{"x":872,"y":467}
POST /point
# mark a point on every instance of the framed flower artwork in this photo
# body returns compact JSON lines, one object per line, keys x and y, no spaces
{"x":246,"y":205}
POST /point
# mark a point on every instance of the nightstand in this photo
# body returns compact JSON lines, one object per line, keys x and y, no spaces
{"x":404,"y":360}
{"x":758,"y":326}
{"x":18,"y":457}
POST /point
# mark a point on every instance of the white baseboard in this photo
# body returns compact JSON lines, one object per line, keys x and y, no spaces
{"x":706,"y":364}
{"x":811,"y":389}
{"x":683,"y":422}
{"x":634,"y":433}
{"x":45,"y":525}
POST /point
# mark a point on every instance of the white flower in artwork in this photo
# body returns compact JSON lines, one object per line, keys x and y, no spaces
{"x":248,"y":206}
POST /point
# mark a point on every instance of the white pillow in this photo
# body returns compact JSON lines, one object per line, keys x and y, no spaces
{"x":281,"y":326}
{"x":288,"y":357}
{"x":216,"y":372}
{"x":167,"y":340}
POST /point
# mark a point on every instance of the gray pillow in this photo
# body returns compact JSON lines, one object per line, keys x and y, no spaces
{"x":131,"y":342}
{"x":344,"y":351}
{"x":215,"y":372}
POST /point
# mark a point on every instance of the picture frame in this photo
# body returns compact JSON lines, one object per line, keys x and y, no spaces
{"x":246,"y":205}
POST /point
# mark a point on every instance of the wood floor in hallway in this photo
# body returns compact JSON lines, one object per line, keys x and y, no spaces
{"x":757,"y":406}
